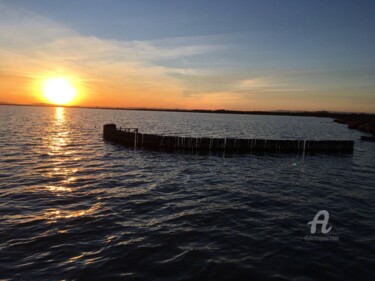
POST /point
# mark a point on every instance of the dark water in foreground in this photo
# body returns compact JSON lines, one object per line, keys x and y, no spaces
{"x":77,"y":208}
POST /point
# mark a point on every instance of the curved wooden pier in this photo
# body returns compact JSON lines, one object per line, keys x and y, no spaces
{"x":132,"y":138}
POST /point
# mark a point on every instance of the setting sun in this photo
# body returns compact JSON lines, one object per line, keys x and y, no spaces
{"x":59,"y":91}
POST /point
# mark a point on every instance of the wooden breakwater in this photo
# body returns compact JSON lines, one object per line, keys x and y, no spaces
{"x":367,"y":138}
{"x":133,"y":138}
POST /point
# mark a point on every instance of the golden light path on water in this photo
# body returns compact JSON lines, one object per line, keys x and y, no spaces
{"x":63,"y":153}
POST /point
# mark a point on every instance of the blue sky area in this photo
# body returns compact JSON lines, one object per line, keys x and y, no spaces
{"x":270,"y":54}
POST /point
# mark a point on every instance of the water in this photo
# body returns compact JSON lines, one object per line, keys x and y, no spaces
{"x":77,"y":208}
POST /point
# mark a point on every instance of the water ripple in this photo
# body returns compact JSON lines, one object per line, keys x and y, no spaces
{"x":74,"y":207}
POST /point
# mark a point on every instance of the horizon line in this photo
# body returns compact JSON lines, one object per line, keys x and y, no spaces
{"x":323,"y":113}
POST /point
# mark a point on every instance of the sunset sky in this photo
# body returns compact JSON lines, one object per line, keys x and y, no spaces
{"x":243,"y":55}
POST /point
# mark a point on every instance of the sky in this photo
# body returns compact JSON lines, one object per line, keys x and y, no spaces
{"x":206,"y":54}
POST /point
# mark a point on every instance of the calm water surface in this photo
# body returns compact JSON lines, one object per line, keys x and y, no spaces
{"x":73,"y":207}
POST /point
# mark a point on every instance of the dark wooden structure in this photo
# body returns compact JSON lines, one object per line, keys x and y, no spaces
{"x":367,"y":138}
{"x":131,"y":137}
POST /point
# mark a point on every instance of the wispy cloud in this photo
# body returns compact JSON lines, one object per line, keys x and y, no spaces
{"x":112,"y":70}
{"x":127,"y":73}
{"x":180,"y":72}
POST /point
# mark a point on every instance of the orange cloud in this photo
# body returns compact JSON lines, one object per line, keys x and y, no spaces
{"x":129,"y":74}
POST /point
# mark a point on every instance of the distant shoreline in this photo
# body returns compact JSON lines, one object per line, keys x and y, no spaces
{"x":364,"y":122}
{"x":320,"y":113}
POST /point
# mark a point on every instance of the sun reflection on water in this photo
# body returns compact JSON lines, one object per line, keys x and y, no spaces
{"x":62,"y":155}
{"x":63,"y":168}
{"x":60,"y":114}
{"x":59,"y":134}
{"x":67,"y":214}
{"x":58,"y":189}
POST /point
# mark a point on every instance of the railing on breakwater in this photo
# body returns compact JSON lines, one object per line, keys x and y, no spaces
{"x":131,"y":137}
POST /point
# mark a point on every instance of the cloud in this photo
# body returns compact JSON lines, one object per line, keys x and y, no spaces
{"x":238,"y":87}
{"x":181,"y":72}
{"x":112,"y":71}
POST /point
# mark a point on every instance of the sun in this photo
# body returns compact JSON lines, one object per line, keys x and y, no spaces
{"x":59,"y":91}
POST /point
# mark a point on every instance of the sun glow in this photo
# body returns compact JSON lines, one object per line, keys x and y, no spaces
{"x":59,"y":91}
